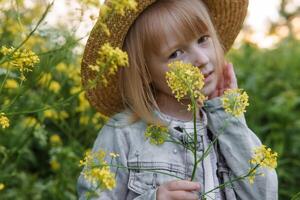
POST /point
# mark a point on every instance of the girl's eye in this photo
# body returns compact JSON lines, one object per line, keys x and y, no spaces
{"x":175,"y":54}
{"x":203,"y":39}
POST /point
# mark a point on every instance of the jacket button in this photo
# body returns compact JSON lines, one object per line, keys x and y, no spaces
{"x":175,"y":151}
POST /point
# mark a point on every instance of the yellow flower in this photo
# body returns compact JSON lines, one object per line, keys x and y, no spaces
{"x":54,"y":164}
{"x":30,"y":121}
{"x":87,"y":159}
{"x":119,"y":6}
{"x":84,"y":120}
{"x":2,"y":186}
{"x":24,"y":60}
{"x":114,"y":155}
{"x":62,"y":115}
{"x":83,"y":103}
{"x":235,"y":101}
{"x":263,"y":157}
{"x":75,"y":90}
{"x":156,"y":134}
{"x":4,"y":121}
{"x":251,"y":176}
{"x":52,"y":114}
{"x":108,"y":62}
{"x":99,"y":116}
{"x":11,"y":84}
{"x":116,"y":7}
{"x":55,"y":140}
{"x":62,"y":67}
{"x":96,"y":170}
{"x":54,"y":86}
{"x":101,"y":177}
{"x":185,"y":79}
{"x":45,"y":79}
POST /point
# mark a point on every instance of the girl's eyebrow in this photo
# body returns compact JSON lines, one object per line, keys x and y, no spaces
{"x":171,"y":48}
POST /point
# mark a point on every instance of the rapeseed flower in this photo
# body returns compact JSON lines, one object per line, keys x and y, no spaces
{"x":156,"y":134}
{"x":184,"y":79}
{"x":24,"y":60}
{"x":97,"y":171}
{"x":116,"y":7}
{"x":11,"y":84}
{"x":54,"y":86}
{"x":52,"y":114}
{"x":235,"y":101}
{"x":114,"y":155}
{"x":2,"y":186}
{"x":30,"y":121}
{"x":101,"y":177}
{"x":4,"y":121}
{"x":55,"y":140}
{"x":62,"y":67}
{"x":83,"y":103}
{"x":54,"y":164}
{"x":251,"y":176}
{"x":263,"y":157}
{"x":108,"y":62}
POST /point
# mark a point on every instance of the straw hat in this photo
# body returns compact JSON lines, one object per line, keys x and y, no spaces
{"x":227,"y":16}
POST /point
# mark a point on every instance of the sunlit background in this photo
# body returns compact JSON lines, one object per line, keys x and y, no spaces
{"x":261,"y":14}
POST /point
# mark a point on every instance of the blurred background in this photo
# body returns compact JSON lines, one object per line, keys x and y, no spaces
{"x":47,"y":125}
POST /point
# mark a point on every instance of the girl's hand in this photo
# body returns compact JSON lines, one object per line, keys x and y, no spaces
{"x":181,"y":189}
{"x":227,"y":80}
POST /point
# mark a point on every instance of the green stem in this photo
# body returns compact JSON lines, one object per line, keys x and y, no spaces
{"x":195,"y":139}
{"x":5,"y":78}
{"x":7,"y":57}
{"x":231,"y":181}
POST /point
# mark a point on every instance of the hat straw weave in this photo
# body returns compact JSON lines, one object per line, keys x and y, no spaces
{"x":227,"y":17}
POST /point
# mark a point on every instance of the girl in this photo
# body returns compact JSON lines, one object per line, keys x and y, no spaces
{"x":157,"y":33}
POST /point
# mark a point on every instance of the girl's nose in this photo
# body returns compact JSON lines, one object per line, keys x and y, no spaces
{"x":199,"y":57}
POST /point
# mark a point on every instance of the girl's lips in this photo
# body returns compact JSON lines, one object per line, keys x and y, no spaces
{"x":208,"y":77}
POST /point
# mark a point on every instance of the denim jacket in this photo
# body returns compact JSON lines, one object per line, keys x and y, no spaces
{"x":233,"y":149}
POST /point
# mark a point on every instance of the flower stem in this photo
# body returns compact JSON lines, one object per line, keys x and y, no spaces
{"x":195,"y":139}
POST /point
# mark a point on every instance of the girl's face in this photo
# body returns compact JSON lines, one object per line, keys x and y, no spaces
{"x":199,"y":51}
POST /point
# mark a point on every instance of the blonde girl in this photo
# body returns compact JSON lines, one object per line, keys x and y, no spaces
{"x":159,"y":32}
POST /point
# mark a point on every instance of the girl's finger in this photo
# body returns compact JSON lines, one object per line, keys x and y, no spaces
{"x":184,"y":195}
{"x":232,"y":77}
{"x":182,"y":185}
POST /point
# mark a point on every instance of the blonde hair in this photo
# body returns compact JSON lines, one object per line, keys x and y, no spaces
{"x":187,"y":19}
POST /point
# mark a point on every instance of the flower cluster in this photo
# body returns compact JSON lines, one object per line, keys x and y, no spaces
{"x":115,"y":7}
{"x":235,"y":101}
{"x":55,"y":115}
{"x":156,"y":134}
{"x":24,"y":60}
{"x":2,"y":186}
{"x":185,"y":79}
{"x":4,"y":121}
{"x":11,"y":84}
{"x":55,"y":140}
{"x":47,"y":82}
{"x":97,"y":171}
{"x":108,"y":62}
{"x":263,"y":157}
